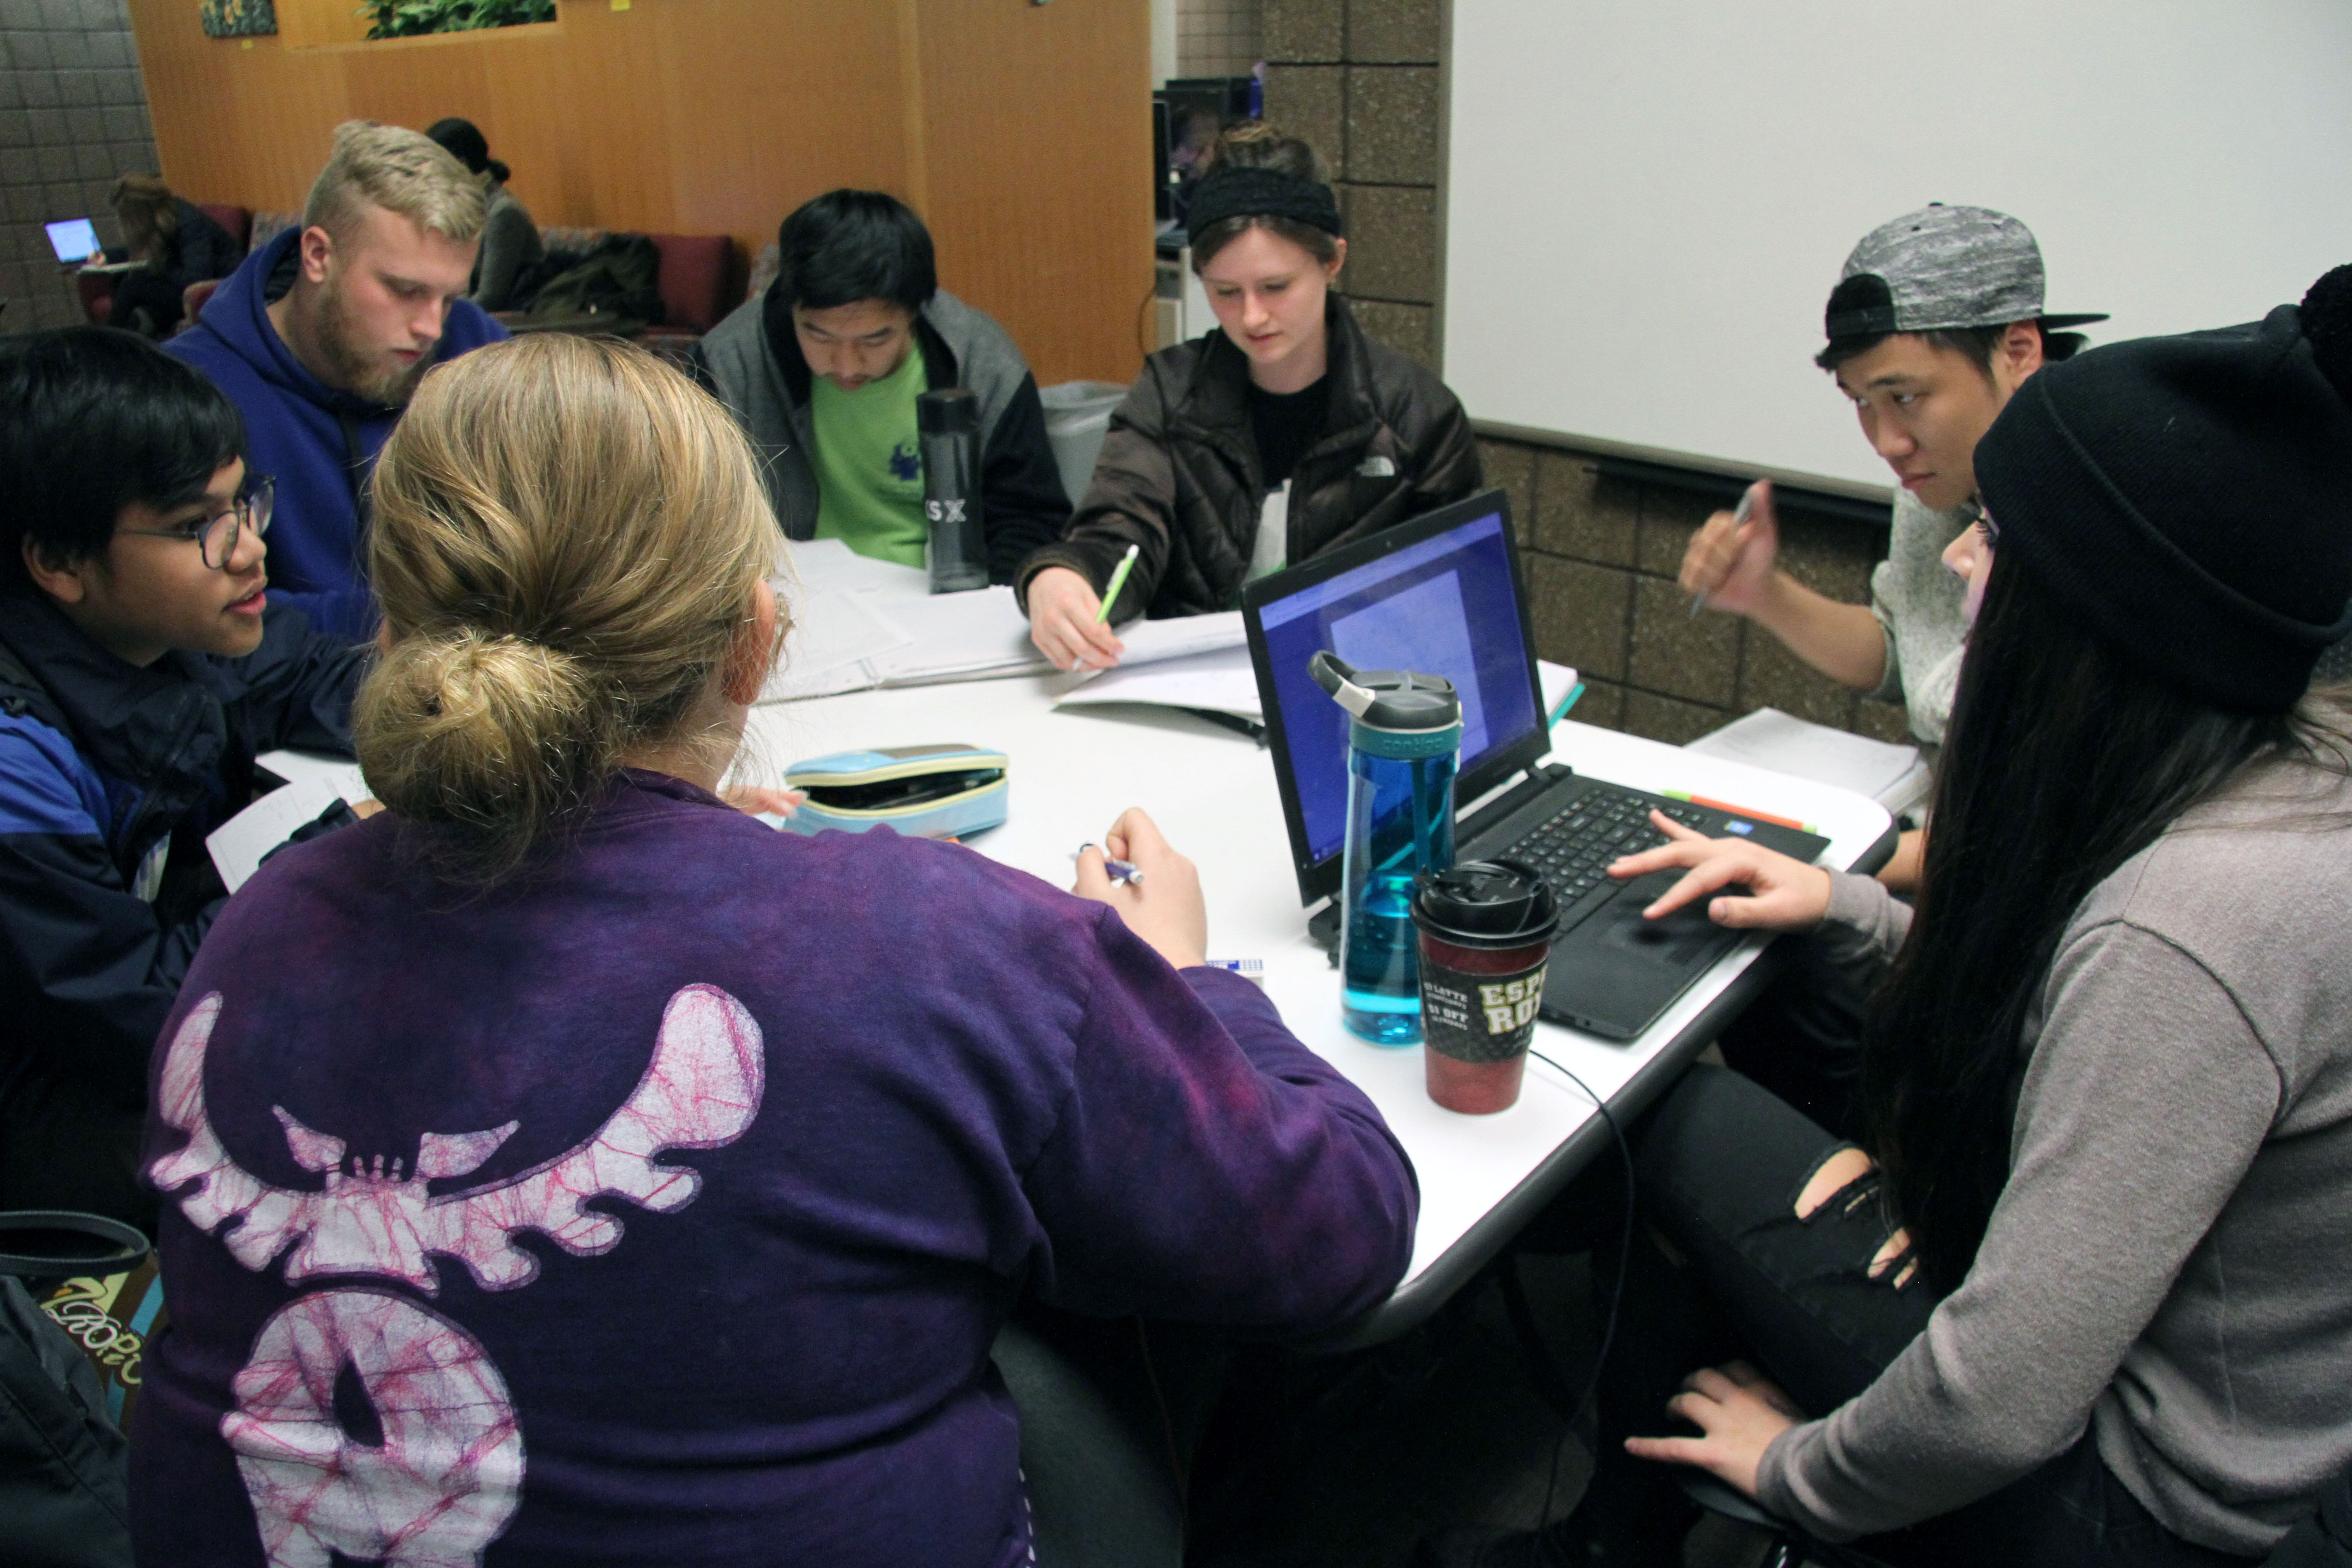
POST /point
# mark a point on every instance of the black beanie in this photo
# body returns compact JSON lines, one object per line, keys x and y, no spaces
{"x":2191,"y":495}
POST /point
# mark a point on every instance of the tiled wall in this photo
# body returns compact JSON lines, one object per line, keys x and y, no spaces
{"x":1218,"y":37}
{"x":73,"y":115}
{"x":1359,"y":79}
{"x":1602,"y":551}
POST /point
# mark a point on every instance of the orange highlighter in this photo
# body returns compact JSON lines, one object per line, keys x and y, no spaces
{"x":1739,"y":810}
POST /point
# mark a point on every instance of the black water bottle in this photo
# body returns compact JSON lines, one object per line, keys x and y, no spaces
{"x":949,"y":423}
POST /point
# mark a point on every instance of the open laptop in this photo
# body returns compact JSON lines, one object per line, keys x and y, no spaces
{"x":75,"y":240}
{"x":1445,"y":594}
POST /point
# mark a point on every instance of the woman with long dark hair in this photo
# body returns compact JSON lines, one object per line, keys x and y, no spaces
{"x":2084,"y":1297}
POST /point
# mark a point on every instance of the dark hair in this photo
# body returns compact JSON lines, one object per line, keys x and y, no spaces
{"x":91,"y":420}
{"x":1977,"y":343}
{"x":848,"y":246}
{"x":2065,"y":758}
{"x":463,"y":140}
{"x":1255,"y":144}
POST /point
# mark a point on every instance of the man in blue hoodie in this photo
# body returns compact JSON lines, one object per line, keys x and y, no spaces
{"x":322,"y":334}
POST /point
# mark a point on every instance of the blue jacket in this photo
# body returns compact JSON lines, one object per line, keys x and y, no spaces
{"x":103,"y":763}
{"x":317,"y":443}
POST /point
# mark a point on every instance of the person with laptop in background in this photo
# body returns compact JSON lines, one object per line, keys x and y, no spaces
{"x":2078,"y":1296}
{"x":1282,"y":434}
{"x":1935,"y":321}
{"x":321,"y":336}
{"x":175,"y":242}
{"x":143,"y":667}
{"x":822,"y":370}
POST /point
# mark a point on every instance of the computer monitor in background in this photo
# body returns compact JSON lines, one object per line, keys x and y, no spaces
{"x":1197,"y":107}
{"x":75,"y":240}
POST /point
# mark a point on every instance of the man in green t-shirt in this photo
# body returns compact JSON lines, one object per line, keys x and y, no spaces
{"x":822,"y":371}
{"x":869,"y":466}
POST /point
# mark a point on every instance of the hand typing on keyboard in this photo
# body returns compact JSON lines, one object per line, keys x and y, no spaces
{"x":1784,"y":894}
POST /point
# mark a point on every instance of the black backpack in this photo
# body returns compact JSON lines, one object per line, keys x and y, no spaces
{"x":619,"y":277}
{"x":62,"y":1492}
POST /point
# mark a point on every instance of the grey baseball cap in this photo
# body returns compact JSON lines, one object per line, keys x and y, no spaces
{"x":1942,"y":267}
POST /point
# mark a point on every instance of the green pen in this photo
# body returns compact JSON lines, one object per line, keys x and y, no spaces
{"x":1118,"y":581}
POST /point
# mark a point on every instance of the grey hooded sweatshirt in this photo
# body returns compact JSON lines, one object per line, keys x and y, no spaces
{"x":751,"y":361}
{"x":2167,"y":1265}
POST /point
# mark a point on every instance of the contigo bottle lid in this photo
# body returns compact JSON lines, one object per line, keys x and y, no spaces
{"x":1389,"y":698}
{"x":1485,"y":903}
{"x":950,"y":411}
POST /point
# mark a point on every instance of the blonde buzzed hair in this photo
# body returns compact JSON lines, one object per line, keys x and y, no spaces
{"x":402,"y":171}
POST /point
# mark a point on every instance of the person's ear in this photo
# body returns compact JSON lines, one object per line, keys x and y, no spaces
{"x":318,"y":251}
{"x":1339,"y":260}
{"x":64,"y":578}
{"x":2017,"y":355}
{"x":754,"y":653}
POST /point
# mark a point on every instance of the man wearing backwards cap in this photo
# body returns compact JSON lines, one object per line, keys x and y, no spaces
{"x":1935,"y":322}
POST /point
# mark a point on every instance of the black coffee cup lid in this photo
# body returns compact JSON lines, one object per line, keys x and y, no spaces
{"x":1485,"y":903}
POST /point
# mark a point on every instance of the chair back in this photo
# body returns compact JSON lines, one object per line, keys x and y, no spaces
{"x":700,"y":281}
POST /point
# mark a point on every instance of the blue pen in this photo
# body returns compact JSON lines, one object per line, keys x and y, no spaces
{"x":1116,"y":870}
{"x":1568,"y":702}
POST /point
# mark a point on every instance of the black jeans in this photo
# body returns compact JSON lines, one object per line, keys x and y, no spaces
{"x":1720,"y":1166}
{"x":1802,"y":1038}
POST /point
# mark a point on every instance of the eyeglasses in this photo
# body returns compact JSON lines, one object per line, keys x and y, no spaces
{"x":215,"y":537}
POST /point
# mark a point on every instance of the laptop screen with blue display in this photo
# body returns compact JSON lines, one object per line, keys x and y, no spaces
{"x":1438,"y":594}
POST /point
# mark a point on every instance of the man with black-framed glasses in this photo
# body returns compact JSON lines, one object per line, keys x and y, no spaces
{"x":142,"y":667}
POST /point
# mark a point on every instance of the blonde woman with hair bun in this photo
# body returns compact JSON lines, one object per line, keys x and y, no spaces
{"x":565,"y":1160}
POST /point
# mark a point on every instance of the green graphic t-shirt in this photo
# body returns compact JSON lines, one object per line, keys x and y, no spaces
{"x":869,"y":466}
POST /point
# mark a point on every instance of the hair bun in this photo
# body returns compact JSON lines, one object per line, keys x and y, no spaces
{"x":2327,"y":327}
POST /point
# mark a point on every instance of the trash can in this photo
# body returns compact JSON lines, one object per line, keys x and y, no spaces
{"x":1078,"y":414}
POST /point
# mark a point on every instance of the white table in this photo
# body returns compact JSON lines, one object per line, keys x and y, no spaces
{"x":1213,"y":792}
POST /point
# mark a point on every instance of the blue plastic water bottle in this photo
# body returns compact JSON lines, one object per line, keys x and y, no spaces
{"x":1404,"y":739}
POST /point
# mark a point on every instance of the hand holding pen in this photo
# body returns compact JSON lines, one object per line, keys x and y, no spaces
{"x":1169,"y":914}
{"x":1730,"y":560}
{"x":1069,"y":624}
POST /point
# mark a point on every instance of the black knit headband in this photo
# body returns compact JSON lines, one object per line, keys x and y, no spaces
{"x":1260,"y":193}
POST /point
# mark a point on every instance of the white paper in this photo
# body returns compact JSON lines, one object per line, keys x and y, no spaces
{"x":964,"y":637}
{"x":1222,"y":682}
{"x":809,"y":566}
{"x":1181,"y":637}
{"x":238,"y":844}
{"x":1894,"y":775}
{"x":293,"y":767}
{"x":835,"y":637}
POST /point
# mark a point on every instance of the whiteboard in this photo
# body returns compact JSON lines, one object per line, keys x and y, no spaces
{"x":1647,"y":202}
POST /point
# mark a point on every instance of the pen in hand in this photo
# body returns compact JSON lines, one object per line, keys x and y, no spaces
{"x":1116,"y":870}
{"x":1118,"y":581}
{"x":1739,"y":518}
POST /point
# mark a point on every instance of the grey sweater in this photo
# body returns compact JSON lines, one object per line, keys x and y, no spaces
{"x":2170,"y":1264}
{"x":1918,"y":602}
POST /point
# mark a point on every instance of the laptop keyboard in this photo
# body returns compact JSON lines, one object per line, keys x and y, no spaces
{"x":1574,"y":848}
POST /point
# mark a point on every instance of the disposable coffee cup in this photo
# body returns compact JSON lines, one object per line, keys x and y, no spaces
{"x":1485,"y":930}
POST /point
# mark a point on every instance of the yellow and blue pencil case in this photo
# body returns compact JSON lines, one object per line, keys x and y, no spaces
{"x":926,"y":792}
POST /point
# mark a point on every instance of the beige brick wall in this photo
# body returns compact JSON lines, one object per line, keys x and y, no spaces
{"x":1359,"y":79}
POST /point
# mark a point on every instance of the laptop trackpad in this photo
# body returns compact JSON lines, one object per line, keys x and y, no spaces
{"x":1617,"y":971}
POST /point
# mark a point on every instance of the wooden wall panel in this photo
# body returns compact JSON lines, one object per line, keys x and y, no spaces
{"x":1019,"y":130}
{"x":1036,"y":123}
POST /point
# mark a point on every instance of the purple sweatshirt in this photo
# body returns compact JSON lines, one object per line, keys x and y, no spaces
{"x":662,"y":1206}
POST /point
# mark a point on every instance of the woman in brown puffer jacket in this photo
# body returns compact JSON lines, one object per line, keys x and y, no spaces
{"x":1258,"y":446}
